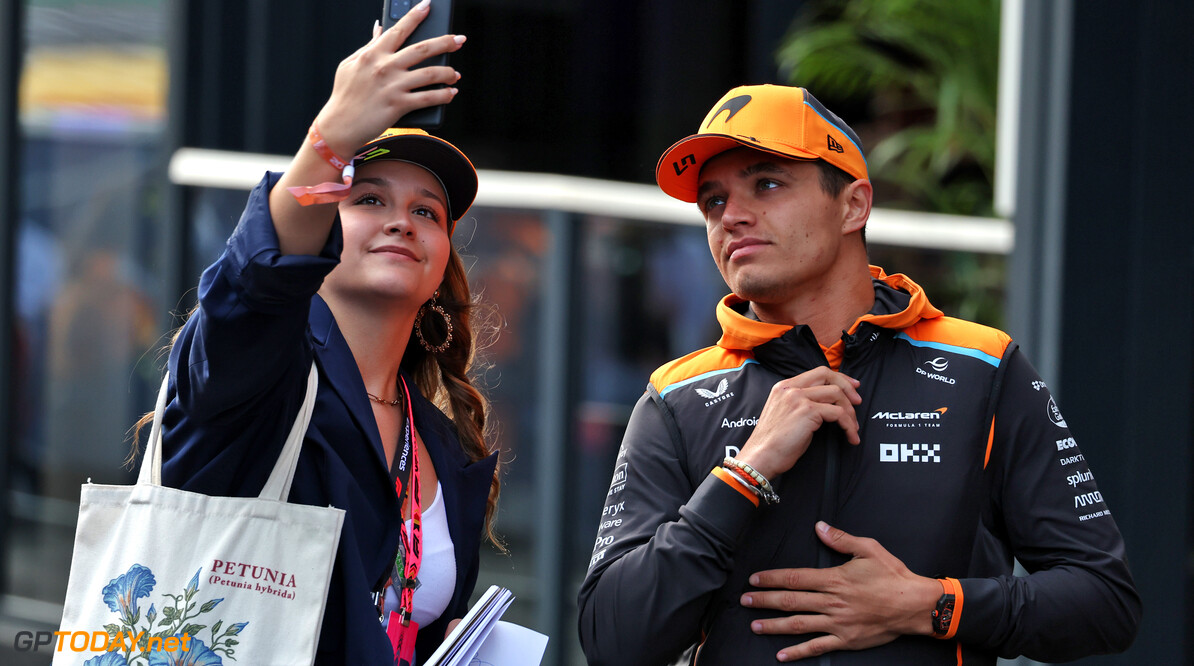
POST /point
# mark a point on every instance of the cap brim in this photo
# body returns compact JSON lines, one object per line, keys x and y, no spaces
{"x":453,"y":169}
{"x":680,"y":166}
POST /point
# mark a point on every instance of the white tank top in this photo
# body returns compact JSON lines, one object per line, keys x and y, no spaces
{"x":437,"y":572}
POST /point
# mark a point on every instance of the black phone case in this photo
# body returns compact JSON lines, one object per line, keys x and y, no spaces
{"x":438,"y":22}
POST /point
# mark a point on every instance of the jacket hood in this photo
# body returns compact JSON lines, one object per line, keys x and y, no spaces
{"x":740,"y":332}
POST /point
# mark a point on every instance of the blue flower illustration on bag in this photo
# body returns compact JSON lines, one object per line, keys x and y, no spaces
{"x":122,"y":593}
{"x":168,"y":638}
{"x":107,"y":659}
{"x":197,"y":655}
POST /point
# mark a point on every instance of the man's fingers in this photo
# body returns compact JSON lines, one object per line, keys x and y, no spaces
{"x":830,"y":406}
{"x":843,"y":542}
{"x":823,"y":393}
{"x":848,"y":418}
{"x":819,"y":393}
{"x":786,"y":600}
{"x":791,"y":579}
{"x":832,"y":393}
{"x":825,"y":376}
{"x":814,"y":648}
{"x":793,"y":625}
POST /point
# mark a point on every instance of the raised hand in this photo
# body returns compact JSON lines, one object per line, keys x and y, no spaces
{"x":373,"y":88}
{"x":376,"y":85}
{"x":796,"y":408}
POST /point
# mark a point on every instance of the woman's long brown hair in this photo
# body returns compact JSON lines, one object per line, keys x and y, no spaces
{"x":447,"y":378}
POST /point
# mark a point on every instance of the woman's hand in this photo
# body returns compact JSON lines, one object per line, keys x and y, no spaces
{"x":375,"y":86}
{"x":373,"y":89}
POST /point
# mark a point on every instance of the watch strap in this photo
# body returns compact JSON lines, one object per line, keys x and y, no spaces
{"x":948,"y":610}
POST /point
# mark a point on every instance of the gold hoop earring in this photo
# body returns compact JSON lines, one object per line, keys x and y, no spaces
{"x":438,"y":309}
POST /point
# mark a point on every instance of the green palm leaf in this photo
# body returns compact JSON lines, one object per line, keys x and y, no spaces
{"x":928,"y":69}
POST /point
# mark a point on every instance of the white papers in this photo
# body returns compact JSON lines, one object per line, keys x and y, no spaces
{"x":511,"y":645}
{"x":480,"y":638}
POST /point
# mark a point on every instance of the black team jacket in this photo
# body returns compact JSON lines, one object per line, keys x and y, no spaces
{"x":965,"y":463}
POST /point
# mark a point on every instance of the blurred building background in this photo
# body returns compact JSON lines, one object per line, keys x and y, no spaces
{"x":131,"y":129}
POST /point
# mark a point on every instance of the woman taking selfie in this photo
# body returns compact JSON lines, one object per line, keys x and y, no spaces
{"x":358,"y":274}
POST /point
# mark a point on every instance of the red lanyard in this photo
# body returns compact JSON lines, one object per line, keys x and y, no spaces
{"x":401,"y":631}
{"x":411,"y":555}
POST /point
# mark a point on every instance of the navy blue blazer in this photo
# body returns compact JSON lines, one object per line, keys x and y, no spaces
{"x":237,"y":376}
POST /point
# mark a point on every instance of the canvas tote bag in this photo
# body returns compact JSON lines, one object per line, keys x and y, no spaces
{"x":162,"y":576}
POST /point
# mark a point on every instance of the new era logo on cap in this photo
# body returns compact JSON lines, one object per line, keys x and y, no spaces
{"x":783,"y":120}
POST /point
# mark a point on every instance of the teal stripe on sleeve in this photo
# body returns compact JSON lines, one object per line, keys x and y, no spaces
{"x":706,"y":375}
{"x":953,"y":349}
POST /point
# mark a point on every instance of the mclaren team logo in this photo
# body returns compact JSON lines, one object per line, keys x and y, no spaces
{"x":911,"y":419}
{"x":733,"y":106}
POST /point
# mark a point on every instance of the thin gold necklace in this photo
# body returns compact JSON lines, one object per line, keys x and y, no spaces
{"x":383,"y":401}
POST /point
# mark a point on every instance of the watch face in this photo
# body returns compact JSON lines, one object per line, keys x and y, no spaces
{"x":943,"y":615}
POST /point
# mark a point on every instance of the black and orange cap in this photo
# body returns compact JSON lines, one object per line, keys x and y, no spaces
{"x":783,"y":120}
{"x":446,"y":162}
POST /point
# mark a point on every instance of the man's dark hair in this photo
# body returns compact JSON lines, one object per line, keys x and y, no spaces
{"x":833,"y":181}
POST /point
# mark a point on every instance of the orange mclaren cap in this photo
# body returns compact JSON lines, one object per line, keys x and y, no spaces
{"x":784,"y":120}
{"x":446,"y":162}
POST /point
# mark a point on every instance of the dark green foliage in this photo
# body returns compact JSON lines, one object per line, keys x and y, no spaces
{"x":927,"y":71}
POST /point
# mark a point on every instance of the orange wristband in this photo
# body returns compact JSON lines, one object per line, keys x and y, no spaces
{"x":736,"y":483}
{"x":321,"y":147}
{"x":325,"y":192}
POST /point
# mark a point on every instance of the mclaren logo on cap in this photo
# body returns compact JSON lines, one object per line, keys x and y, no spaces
{"x":732,"y":105}
{"x":834,"y":145}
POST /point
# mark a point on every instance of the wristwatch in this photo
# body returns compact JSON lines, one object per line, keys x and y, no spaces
{"x":943,"y":615}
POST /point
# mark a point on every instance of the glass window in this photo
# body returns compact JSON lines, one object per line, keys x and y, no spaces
{"x":89,"y":301}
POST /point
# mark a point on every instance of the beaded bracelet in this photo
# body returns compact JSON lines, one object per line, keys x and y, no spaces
{"x":757,"y":482}
{"x":749,"y":484}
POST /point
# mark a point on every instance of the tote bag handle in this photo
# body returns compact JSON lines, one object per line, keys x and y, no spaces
{"x":278,"y":486}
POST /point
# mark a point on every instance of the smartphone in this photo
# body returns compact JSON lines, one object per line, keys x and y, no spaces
{"x":438,"y":22}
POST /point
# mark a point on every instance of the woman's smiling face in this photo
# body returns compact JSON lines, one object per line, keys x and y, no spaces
{"x":396,"y":241}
